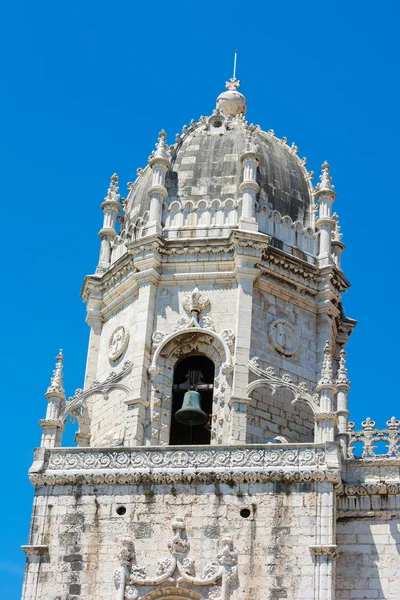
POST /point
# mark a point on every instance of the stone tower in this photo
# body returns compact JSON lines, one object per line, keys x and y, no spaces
{"x":221,"y":275}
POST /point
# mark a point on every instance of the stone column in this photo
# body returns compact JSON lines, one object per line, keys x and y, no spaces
{"x":159,"y":162}
{"x":249,"y":188}
{"x":343,"y":387}
{"x":245,"y":272}
{"x":325,"y":196}
{"x":34,"y":558}
{"x":107,"y":233}
{"x":147,"y":280}
{"x":326,"y":417}
{"x":95,"y":321}
{"x":324,"y":551}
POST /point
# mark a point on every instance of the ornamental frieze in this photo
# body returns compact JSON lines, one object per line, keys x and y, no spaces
{"x":173,"y":465}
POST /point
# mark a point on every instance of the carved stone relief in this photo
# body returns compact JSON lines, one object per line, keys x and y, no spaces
{"x":118,"y":343}
{"x":218,"y":577}
{"x":284,"y":337}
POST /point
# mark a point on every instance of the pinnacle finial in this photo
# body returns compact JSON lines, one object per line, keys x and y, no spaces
{"x":327,"y":367}
{"x":112,"y":193}
{"x":342,"y":371}
{"x":325,"y":184}
{"x":336,"y":234}
{"x":56,"y":386}
{"x":162,"y":150}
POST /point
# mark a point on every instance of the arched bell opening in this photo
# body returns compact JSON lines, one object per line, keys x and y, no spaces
{"x":192,"y":374}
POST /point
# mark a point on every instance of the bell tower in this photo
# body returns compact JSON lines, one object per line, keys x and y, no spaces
{"x":213,"y":419}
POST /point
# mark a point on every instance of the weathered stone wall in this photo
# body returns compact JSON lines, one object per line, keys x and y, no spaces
{"x":267,"y":307}
{"x":270,"y":416}
{"x":83,"y":530}
{"x":368,"y":563}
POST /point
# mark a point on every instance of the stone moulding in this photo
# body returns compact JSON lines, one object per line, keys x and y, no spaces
{"x":266,"y":463}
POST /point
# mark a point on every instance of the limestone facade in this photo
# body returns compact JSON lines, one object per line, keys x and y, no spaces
{"x":224,"y":261}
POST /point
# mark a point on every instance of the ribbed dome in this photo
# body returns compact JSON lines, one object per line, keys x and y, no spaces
{"x":206,"y":167}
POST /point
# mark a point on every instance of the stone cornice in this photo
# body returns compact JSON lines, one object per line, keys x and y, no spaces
{"x":203,"y":464}
{"x":35,"y":549}
{"x":372,"y":488}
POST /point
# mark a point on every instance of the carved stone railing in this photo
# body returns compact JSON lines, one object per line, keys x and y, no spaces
{"x":369,"y":436}
{"x":269,"y":462}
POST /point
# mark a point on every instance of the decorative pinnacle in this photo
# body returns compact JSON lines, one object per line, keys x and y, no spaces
{"x":56,"y":386}
{"x":342,"y":371}
{"x":162,"y":150}
{"x":336,"y":235}
{"x":327,"y":368}
{"x":325,"y":185}
{"x":112,"y":194}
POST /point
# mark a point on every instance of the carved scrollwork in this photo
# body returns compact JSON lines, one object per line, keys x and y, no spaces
{"x":175,"y":569}
{"x":269,"y":378}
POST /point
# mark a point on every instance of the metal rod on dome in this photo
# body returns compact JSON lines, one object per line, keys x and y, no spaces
{"x":234,"y":64}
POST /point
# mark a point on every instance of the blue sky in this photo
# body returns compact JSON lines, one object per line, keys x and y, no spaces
{"x":85,"y":88}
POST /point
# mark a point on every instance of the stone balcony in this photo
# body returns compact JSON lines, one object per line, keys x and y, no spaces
{"x":172,"y":464}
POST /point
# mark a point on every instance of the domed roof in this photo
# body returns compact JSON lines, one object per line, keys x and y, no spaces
{"x":206,"y":166}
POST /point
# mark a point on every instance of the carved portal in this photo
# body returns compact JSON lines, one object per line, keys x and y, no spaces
{"x":218,"y":577}
{"x":172,"y":349}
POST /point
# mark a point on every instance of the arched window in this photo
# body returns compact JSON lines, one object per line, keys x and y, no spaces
{"x":192,"y":373}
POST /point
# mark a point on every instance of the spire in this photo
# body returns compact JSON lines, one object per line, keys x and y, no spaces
{"x":325,"y":185}
{"x":342,"y":371}
{"x":327,"y":370}
{"x":112,"y":194}
{"x":56,"y":387}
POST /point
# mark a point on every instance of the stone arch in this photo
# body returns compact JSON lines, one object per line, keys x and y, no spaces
{"x":175,"y":347}
{"x":79,"y":408}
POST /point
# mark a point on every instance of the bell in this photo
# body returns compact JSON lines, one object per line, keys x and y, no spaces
{"x":190,"y":412}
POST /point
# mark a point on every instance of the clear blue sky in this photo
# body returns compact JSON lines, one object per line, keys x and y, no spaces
{"x":86,"y":86}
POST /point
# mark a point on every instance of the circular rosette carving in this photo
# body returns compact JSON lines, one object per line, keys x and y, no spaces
{"x":156,"y":459}
{"x":283,"y":336}
{"x":290,"y":457}
{"x":157,"y":338}
{"x":239,"y":458}
{"x":121,"y":460}
{"x":131,"y":592}
{"x":204,"y":459}
{"x":118,"y":342}
{"x":104,"y":460}
{"x":139,"y":459}
{"x":56,"y":461}
{"x":307,"y":457}
{"x":273,"y":458}
{"x":89,"y":461}
{"x":255,"y":458}
{"x":220,"y":459}
{"x":72,"y":461}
